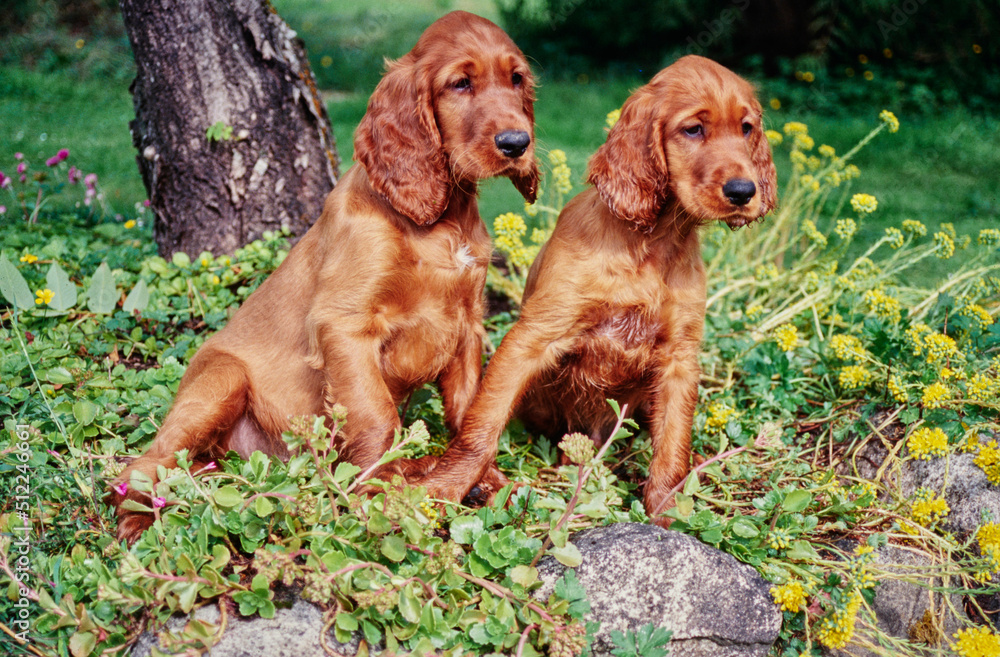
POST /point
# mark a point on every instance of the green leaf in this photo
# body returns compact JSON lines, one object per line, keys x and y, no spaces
{"x":409,"y":605}
{"x":568,"y":555}
{"x":797,"y":501}
{"x":569,"y":588}
{"x":263,"y":507}
{"x":347,"y":622}
{"x":393,"y":548}
{"x":81,"y":644}
{"x":13,"y":286}
{"x":63,"y":289}
{"x":84,"y":411}
{"x":58,"y":375}
{"x":744,"y":527}
{"x":465,"y":529}
{"x":137,"y":299}
{"x":345,"y":471}
{"x":228,"y":496}
{"x":102,"y":294}
{"x":802,"y":551}
{"x":524,"y":575}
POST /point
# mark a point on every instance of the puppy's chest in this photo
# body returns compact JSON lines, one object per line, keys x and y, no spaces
{"x":618,"y":348}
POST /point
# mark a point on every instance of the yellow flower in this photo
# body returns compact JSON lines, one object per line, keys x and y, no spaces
{"x":827,"y":151}
{"x":869,"y":76}
{"x":847,"y":347}
{"x":803,"y":142}
{"x":980,"y":316}
{"x":851,"y":171}
{"x":862,"y":59}
{"x":895,"y":237}
{"x":560,"y":171}
{"x":983,"y":388}
{"x":926,"y":443}
{"x":946,"y":245}
{"x":795,"y":128}
{"x":836,"y":630}
{"x":914,"y":227}
{"x":896,"y":389}
{"x":809,"y":228}
{"x":976,"y":642}
{"x":854,"y":376}
{"x":864,"y":203}
{"x":766,"y":272}
{"x":754,"y":312}
{"x":883,"y":306}
{"x":775,"y":105}
{"x":988,"y":459}
{"x":809,"y":182}
{"x":989,"y":538}
{"x":935,"y":395}
{"x":130,"y":224}
{"x":28,"y":258}
{"x":888,"y":118}
{"x":929,"y":509}
{"x":612,"y":118}
{"x":790,"y":595}
{"x":787,"y":336}
{"x":718,"y":417}
{"x":989,"y":237}
{"x":44,"y":297}
{"x":846,"y":228}
{"x":557,"y":156}
{"x":774,"y":138}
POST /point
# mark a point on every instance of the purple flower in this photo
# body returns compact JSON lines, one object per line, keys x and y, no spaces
{"x":74,"y":175}
{"x":159,"y":502}
{"x":121,"y":488}
{"x":21,"y":167}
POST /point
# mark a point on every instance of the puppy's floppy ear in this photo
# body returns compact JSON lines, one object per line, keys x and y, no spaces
{"x":760,"y":157}
{"x":399,"y":145}
{"x":630,"y":169}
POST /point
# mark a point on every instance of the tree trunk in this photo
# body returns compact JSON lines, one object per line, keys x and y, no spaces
{"x":232,"y":135}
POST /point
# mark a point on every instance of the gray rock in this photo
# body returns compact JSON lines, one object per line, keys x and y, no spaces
{"x":636,"y":574}
{"x":293,"y":632}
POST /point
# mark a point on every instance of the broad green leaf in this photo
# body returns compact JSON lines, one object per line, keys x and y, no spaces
{"x":393,"y":548}
{"x":797,"y":501}
{"x":228,"y":496}
{"x":63,"y":289}
{"x":345,"y":472}
{"x":465,"y":529}
{"x":378,"y":523}
{"x":81,"y":644}
{"x":685,"y":504}
{"x":102,"y":294}
{"x":263,"y":507}
{"x":84,"y":411}
{"x":409,"y":605}
{"x":13,"y":286}
{"x":347,"y":622}
{"x":524,"y":575}
{"x":568,"y":555}
{"x":744,"y":528}
{"x":691,"y":484}
{"x":58,"y":375}
{"x":137,"y":299}
{"x":802,"y":551}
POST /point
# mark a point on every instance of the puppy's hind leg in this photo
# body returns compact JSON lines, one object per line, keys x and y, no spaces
{"x":212,"y":397}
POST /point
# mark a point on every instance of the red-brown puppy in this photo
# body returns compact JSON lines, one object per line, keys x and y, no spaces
{"x":385,"y":291}
{"x":615,"y":303}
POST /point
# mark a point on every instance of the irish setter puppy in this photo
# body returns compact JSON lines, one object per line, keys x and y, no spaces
{"x":615,"y":303}
{"x":385,"y":292}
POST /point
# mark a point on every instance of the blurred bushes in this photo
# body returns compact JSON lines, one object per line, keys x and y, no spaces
{"x":936,"y":54}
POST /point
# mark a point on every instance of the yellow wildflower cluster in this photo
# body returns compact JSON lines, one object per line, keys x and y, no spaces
{"x":976,"y":642}
{"x":767,"y":272}
{"x":809,"y":182}
{"x":983,"y":388}
{"x":980,"y":316}
{"x":895,"y":236}
{"x":989,"y":538}
{"x":791,"y":596}
{"x":937,"y":346}
{"x":929,"y":509}
{"x":846,"y":228}
{"x":778,"y":539}
{"x":945,"y":244}
{"x":718,"y":416}
{"x":44,"y":297}
{"x":795,"y":128}
{"x":988,"y":459}
{"x":888,"y":118}
{"x":827,"y":151}
{"x":864,"y":203}
{"x":896,"y":389}
{"x":509,"y":228}
{"x":883,"y":306}
{"x":612,"y":118}
{"x":29,"y":258}
{"x":987,"y":237}
{"x":851,"y":171}
{"x":774,"y":138}
{"x":847,"y":347}
{"x":836,"y":630}
{"x":935,"y":395}
{"x":428,"y":511}
{"x":926,"y":443}
{"x":560,"y":171}
{"x":787,"y":336}
{"x":810,"y":230}
{"x":754,"y":312}
{"x":914,"y":227}
{"x":860,"y":571}
{"x":854,"y":376}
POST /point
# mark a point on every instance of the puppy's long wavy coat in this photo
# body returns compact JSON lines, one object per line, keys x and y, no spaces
{"x":615,"y":303}
{"x":385,"y":292}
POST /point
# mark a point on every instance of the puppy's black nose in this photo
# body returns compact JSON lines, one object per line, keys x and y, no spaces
{"x":739,"y":191}
{"x":513,"y":143}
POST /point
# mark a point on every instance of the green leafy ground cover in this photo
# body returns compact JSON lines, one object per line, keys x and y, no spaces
{"x":810,"y":353}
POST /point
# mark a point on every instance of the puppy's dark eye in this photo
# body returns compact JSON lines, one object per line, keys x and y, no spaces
{"x":747,"y":129}
{"x":462,"y":85}
{"x":694,"y":130}
{"x":516,"y":79}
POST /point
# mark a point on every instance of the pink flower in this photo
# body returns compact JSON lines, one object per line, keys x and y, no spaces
{"x":90,"y":179}
{"x":4,"y":180}
{"x":3,"y":209}
{"x":52,"y":161}
{"x":21,"y":167}
{"x":159,"y":502}
{"x":146,"y":202}
{"x":62,"y":154}
{"x":211,"y":465}
{"x":74,"y":175}
{"x":121,"y":488}
{"x":18,"y":156}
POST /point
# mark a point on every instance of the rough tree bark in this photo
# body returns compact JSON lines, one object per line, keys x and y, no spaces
{"x":229,"y":64}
